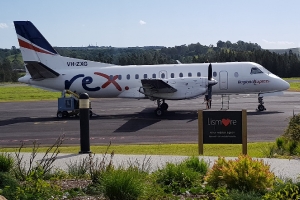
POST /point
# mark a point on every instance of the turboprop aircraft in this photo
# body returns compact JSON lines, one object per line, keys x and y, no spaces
{"x":47,"y":69}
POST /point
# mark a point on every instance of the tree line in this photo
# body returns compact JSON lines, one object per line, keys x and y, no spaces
{"x":283,"y":65}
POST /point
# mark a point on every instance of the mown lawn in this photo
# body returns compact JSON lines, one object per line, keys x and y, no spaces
{"x":254,"y":149}
{"x":19,"y":92}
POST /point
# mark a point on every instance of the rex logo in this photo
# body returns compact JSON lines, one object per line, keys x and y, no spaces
{"x":87,"y":80}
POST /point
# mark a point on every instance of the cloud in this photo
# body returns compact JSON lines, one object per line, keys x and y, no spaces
{"x":278,"y":42}
{"x":142,"y":22}
{"x":3,"y":25}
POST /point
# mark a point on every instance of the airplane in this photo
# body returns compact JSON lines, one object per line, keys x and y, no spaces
{"x":45,"y":68}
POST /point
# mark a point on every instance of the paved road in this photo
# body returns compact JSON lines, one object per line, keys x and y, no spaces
{"x":133,"y":121}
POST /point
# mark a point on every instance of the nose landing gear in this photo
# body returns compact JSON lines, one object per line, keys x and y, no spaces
{"x":260,"y":106}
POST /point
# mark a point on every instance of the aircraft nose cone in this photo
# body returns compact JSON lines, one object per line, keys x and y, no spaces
{"x":285,"y":85}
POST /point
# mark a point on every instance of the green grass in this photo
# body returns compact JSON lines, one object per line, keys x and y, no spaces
{"x":18,"y":92}
{"x":295,"y":86}
{"x":254,"y":149}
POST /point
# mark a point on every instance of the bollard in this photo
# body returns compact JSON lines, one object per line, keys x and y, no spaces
{"x":84,"y":113}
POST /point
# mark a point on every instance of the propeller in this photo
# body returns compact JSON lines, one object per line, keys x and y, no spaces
{"x":209,"y":88}
{"x":211,"y":82}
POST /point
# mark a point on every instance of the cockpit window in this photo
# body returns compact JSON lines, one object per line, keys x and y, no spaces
{"x":255,"y":70}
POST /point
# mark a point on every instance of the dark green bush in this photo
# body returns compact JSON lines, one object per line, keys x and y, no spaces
{"x":177,"y":178}
{"x":6,"y":162}
{"x":197,"y":165}
{"x":122,"y":184}
{"x":8,"y":185}
{"x":292,"y":132}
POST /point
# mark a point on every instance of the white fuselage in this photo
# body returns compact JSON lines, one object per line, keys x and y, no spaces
{"x":101,"y":82}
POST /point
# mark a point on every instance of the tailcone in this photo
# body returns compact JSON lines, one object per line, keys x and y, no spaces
{"x":24,"y":79}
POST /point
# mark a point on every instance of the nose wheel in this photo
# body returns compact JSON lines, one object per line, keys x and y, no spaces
{"x":260,"y":106}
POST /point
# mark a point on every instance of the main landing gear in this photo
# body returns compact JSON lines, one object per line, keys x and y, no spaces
{"x":161,"y":107}
{"x":260,"y":106}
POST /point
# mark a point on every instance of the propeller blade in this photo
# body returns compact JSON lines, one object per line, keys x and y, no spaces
{"x":209,"y":72}
{"x":209,"y":87}
{"x":209,"y":91}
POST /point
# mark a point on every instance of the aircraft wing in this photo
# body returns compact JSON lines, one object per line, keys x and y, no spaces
{"x":38,"y":70}
{"x":151,"y":86}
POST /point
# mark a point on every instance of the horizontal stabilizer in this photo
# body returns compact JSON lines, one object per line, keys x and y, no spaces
{"x":157,"y":86}
{"x":38,"y":70}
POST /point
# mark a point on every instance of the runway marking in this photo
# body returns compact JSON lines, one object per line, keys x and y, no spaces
{"x":51,"y":122}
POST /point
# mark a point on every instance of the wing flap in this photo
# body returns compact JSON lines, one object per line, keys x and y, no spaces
{"x":151,"y":86}
{"x":39,"y":71}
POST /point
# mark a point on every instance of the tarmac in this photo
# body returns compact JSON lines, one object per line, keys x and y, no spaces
{"x":284,"y":169}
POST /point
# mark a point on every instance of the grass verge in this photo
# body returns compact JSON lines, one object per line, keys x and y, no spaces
{"x":13,"y":93}
{"x":254,"y":149}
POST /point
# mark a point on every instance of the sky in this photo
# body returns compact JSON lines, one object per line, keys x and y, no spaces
{"x":273,"y":24}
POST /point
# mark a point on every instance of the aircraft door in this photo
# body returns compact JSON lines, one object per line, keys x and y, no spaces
{"x":163,"y":74}
{"x":223,"y":80}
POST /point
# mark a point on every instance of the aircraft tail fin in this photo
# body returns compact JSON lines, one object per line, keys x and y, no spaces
{"x":41,"y":59}
{"x":32,"y":42}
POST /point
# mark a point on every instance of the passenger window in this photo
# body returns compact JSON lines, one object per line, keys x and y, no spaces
{"x":180,"y":74}
{"x":111,"y":77}
{"x":153,"y":75}
{"x":190,"y":74}
{"x":198,"y":74}
{"x":128,"y":76}
{"x":172,"y":75}
{"x":255,"y":70}
{"x":236,"y":74}
{"x":215,"y":74}
{"x":145,"y":76}
{"x":136,"y":76}
{"x":119,"y":77}
{"x":163,"y":75}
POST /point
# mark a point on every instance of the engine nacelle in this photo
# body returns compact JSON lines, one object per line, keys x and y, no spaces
{"x":187,"y":88}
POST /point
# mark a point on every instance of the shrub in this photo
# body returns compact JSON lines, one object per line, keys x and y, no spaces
{"x":241,"y":195}
{"x":243,"y":173}
{"x":176,"y":178}
{"x":282,"y":191}
{"x":280,"y":142}
{"x":6,"y":162}
{"x":197,"y":165}
{"x":78,"y":169}
{"x":122,"y":184}
{"x":8,"y":185}
{"x":283,"y":147}
{"x":38,"y":189}
{"x":292,"y":146}
{"x":293,"y":130}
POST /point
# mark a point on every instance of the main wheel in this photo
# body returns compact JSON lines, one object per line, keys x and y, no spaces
{"x":59,"y":115}
{"x":65,"y":114}
{"x":158,"y":112}
{"x":261,"y":107}
{"x":164,"y":106}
